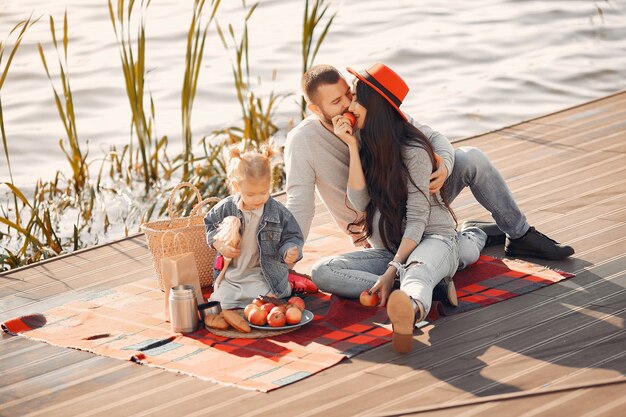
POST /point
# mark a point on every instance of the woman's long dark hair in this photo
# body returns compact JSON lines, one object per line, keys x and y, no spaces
{"x":383,"y":137}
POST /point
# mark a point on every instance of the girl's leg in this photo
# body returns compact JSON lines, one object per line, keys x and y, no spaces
{"x":348,"y":275}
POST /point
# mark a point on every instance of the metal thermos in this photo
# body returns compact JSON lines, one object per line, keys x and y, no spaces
{"x":183,"y":309}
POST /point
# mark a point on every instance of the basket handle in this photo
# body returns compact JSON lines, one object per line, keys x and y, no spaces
{"x":195,"y":211}
{"x":170,"y":211}
{"x":175,"y":239}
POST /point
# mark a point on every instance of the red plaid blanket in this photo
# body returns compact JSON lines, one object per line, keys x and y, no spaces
{"x":127,"y":323}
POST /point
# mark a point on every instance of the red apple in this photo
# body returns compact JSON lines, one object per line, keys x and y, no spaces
{"x":258,"y":316}
{"x":249,"y":307}
{"x":297,"y":301}
{"x":293,"y":315}
{"x":351,"y":118}
{"x":268,"y":307}
{"x":282,"y":309}
{"x":276,"y":319}
{"x":258,"y":302}
{"x":369,"y":299}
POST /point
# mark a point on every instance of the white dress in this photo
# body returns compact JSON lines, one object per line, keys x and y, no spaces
{"x":243,"y":280}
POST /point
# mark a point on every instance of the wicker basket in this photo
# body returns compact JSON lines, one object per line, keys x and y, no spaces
{"x":187,"y":235}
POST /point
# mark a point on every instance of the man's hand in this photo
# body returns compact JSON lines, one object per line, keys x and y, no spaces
{"x":291,"y":255}
{"x":438,"y":177}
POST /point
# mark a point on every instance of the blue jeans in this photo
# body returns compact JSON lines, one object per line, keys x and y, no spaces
{"x":435,"y":258}
{"x":473,"y":169}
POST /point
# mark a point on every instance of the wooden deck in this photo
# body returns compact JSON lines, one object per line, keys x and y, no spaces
{"x":557,"y":351}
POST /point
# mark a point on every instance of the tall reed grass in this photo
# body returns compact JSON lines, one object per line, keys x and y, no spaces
{"x":257,"y":116}
{"x":310,"y":46}
{"x":76,"y":157}
{"x":134,"y":70}
{"x":39,"y":221}
{"x":20,"y":28}
{"x":196,"y":38}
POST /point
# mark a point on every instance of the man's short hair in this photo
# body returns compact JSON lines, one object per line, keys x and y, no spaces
{"x":317,"y":76}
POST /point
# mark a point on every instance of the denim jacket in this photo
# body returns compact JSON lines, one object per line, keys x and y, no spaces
{"x":277,"y":232}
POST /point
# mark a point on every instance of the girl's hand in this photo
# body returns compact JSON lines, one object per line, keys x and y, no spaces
{"x":343,"y":130}
{"x":226,"y":250}
{"x":291,"y":255}
{"x":384,"y":285}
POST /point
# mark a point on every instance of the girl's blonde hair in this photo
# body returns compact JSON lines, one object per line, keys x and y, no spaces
{"x":251,"y":164}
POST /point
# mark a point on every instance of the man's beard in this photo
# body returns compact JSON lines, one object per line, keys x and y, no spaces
{"x":328,"y":119}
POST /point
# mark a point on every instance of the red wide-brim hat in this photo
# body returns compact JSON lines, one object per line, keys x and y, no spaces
{"x":386,"y":83}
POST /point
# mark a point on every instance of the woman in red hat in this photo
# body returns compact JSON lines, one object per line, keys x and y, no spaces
{"x":412,"y":232}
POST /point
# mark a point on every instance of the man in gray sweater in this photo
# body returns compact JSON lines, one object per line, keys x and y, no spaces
{"x":317,"y":161}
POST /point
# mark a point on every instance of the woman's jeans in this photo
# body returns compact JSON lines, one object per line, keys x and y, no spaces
{"x":435,"y":258}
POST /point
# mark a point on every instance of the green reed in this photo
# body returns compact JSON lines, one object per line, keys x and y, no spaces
{"x":134,"y":70}
{"x":20,"y":29}
{"x":65,"y":107}
{"x":196,"y":38}
{"x":258,"y":125}
{"x":311,"y":47}
{"x":39,"y":223}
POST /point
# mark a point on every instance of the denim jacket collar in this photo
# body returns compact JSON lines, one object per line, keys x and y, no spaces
{"x":270,"y":210}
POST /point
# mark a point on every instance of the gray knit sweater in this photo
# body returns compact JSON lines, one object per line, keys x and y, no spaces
{"x":317,"y":161}
{"x":424,"y":215}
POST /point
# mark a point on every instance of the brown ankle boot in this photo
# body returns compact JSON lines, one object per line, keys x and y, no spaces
{"x":403,"y":316}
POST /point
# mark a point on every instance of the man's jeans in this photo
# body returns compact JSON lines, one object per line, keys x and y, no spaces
{"x":435,"y":258}
{"x":473,"y":169}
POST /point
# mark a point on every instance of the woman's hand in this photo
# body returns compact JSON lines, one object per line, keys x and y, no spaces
{"x":343,"y":130}
{"x":226,"y":250}
{"x":384,"y":285}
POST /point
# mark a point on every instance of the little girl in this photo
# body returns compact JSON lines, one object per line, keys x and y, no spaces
{"x":271,"y":239}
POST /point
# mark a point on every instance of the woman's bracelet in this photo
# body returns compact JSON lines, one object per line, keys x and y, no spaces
{"x":396,"y":265}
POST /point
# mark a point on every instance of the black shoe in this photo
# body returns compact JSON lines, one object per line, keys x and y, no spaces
{"x":537,"y":245}
{"x":446,"y":291}
{"x":495,"y":236}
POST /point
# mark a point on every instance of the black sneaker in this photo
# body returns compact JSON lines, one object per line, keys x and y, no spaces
{"x":537,"y":245}
{"x":495,"y":236}
{"x":446,"y":291}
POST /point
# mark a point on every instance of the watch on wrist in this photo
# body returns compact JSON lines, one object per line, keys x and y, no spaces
{"x":396,"y":265}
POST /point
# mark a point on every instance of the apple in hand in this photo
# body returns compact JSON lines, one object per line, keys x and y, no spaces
{"x":296,"y":301}
{"x":258,"y":302}
{"x":276,"y":319}
{"x":351,"y":118}
{"x":369,"y":299}
{"x":293,"y":315}
{"x":258,"y":316}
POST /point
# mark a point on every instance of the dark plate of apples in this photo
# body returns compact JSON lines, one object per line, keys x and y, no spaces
{"x":267,"y":313}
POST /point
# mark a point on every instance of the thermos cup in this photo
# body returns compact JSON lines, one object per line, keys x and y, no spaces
{"x":183,"y":309}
